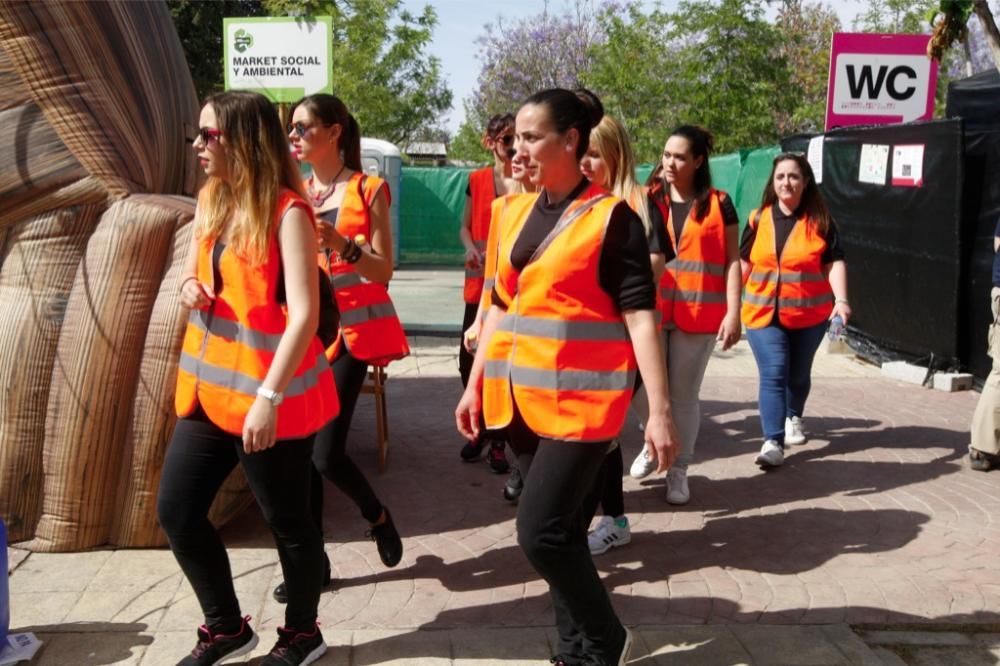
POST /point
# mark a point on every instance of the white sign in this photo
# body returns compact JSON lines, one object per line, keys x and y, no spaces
{"x":874,"y":162}
{"x":908,"y":165}
{"x":879,"y":79}
{"x":815,"y":157}
{"x":283,"y":58}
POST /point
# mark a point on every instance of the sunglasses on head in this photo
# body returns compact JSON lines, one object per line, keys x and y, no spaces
{"x":209,"y":134}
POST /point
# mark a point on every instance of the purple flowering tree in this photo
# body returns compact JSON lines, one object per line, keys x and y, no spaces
{"x":521,"y":57}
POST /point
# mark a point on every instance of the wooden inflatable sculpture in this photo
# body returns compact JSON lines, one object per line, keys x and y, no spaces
{"x":97,"y":116}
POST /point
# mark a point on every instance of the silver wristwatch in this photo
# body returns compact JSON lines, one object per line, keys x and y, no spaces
{"x":273,"y":396}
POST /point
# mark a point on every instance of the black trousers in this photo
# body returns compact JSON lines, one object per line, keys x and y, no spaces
{"x":200,"y":457}
{"x":330,"y":458}
{"x":465,"y":359}
{"x":563,"y":483}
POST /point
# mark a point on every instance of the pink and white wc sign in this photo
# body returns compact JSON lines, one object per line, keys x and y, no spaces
{"x":879,"y":79}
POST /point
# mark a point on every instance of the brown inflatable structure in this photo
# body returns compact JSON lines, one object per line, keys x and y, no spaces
{"x":97,"y":116}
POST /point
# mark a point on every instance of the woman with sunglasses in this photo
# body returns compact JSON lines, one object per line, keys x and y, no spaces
{"x":700,"y":289}
{"x":610,"y":163}
{"x":253,"y":386}
{"x":349,"y":204}
{"x":572,"y":318}
{"x":795,"y":279}
{"x":485,"y":186}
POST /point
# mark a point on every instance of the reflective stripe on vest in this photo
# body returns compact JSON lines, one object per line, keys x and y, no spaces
{"x":558,"y":329}
{"x":233,"y":330}
{"x":234,"y":380}
{"x":364,"y":313}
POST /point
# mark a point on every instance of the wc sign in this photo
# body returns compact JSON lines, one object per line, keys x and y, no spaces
{"x":879,"y":79}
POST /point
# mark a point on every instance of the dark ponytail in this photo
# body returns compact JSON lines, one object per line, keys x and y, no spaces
{"x":580,"y":110}
{"x":330,"y":110}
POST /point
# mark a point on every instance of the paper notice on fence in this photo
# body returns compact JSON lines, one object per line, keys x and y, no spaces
{"x":19,"y":647}
{"x":815,"y":157}
{"x":908,"y":165}
{"x":874,"y":161}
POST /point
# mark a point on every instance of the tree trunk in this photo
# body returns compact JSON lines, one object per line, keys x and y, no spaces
{"x":982,"y":10}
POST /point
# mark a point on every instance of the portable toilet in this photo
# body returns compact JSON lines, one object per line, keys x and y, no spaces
{"x":383,"y":159}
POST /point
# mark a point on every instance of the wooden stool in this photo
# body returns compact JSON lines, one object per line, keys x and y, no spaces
{"x":376,"y":386}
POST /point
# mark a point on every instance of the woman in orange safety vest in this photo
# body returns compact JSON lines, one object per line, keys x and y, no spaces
{"x":349,"y":205}
{"x":699,"y":291}
{"x":470,"y":337}
{"x":795,"y":281}
{"x":253,"y":385}
{"x":610,"y":163}
{"x":485,"y":186}
{"x":572,"y":317}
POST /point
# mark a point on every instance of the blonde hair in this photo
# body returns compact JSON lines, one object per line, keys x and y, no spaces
{"x":610,"y":139}
{"x":260,"y":166}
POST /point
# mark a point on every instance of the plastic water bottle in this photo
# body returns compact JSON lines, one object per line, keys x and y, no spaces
{"x":836,"y":330}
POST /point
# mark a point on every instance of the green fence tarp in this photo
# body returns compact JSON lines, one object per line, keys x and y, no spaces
{"x":432,"y":200}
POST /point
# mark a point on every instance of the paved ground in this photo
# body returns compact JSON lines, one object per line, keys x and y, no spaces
{"x":875,"y":524}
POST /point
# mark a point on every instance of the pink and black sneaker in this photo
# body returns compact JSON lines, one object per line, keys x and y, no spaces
{"x":214,"y":648}
{"x":295,"y":648}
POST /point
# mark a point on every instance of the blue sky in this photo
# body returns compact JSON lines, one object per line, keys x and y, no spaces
{"x":460,"y":22}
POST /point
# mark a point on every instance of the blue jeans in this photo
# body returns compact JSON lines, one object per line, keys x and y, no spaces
{"x":784,"y":360}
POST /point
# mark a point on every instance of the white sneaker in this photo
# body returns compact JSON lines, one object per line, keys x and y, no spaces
{"x":793,"y":431}
{"x":643,"y":465}
{"x":608,"y":535}
{"x":677,"y":486}
{"x":771,"y":454}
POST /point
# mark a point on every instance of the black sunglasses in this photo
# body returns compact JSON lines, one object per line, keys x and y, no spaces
{"x":300,"y":128}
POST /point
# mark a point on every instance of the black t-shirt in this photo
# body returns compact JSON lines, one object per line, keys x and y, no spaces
{"x":659,"y":240}
{"x":996,"y":258}
{"x":624,"y":271}
{"x":679,"y":211}
{"x":783,"y":225}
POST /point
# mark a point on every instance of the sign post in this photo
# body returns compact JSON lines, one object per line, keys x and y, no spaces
{"x":283,"y":58}
{"x":879,"y":79}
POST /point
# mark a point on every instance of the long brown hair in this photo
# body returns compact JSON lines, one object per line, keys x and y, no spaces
{"x":812,"y":200}
{"x":260,"y":166}
{"x":331,"y":110}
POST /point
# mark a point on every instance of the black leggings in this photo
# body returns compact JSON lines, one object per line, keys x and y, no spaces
{"x":200,"y":457}
{"x":465,"y":359}
{"x":563,"y":482}
{"x":330,"y":459}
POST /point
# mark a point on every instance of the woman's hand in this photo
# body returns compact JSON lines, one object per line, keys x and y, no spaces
{"x":196,"y":295}
{"x":473,"y":258}
{"x":260,"y":427}
{"x":841,"y":308}
{"x":328,"y":237}
{"x":662,"y":440}
{"x":729,"y":331}
{"x":470,"y":339}
{"x":467,"y":414}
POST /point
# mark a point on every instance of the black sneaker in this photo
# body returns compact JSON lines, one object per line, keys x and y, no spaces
{"x":497,"y":458}
{"x":281,"y":592}
{"x":214,"y":648}
{"x":982,"y":461}
{"x":386,"y":538}
{"x":295,"y":648}
{"x":515,"y":484}
{"x":472,"y":450}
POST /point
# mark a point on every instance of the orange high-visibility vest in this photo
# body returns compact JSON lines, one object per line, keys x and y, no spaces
{"x":498,"y":219}
{"x":369,"y":325}
{"x":228,"y":347}
{"x":692,"y":294}
{"x":793,"y":284}
{"x":483,"y":191}
{"x":561,"y":351}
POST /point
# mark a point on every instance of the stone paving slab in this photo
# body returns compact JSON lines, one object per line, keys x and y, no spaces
{"x":875,"y":521}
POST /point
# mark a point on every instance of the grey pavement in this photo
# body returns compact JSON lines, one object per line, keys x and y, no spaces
{"x":874,"y":544}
